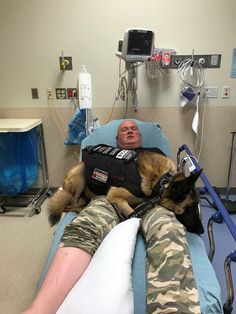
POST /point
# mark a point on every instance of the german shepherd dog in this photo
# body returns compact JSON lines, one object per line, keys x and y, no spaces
{"x":178,"y":194}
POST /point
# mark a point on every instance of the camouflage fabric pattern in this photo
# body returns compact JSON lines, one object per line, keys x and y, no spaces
{"x":171,"y":286}
{"x":90,"y":227}
{"x":170,"y":282}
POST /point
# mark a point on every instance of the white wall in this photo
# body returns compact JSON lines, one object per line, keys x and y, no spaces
{"x":33,"y":33}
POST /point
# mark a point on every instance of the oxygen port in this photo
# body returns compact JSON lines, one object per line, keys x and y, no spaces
{"x":202,"y":60}
{"x":177,"y":61}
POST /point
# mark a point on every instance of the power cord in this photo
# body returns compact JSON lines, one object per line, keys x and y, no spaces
{"x":191,"y":74}
{"x":202,"y":127}
{"x":124,"y":86}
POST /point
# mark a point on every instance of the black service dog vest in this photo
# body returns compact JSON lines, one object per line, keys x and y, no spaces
{"x":107,"y":166}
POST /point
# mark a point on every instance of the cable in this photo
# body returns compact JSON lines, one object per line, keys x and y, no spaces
{"x":121,"y":92}
{"x":123,"y":84}
{"x":75,"y":100}
{"x":126,"y":108}
{"x":123,"y":88}
{"x":191,"y":73}
{"x":202,"y":129}
{"x":112,"y":110}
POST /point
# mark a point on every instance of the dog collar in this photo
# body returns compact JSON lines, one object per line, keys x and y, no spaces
{"x":155,"y":197}
{"x":162,"y":184}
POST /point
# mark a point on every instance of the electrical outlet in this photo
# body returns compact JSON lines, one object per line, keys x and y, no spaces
{"x":226,"y":92}
{"x":50,"y":93}
{"x":61,"y":93}
{"x":34,"y":93}
{"x":71,"y":93}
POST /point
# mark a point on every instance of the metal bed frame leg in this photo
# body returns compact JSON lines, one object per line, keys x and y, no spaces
{"x":211,"y":239}
{"x":230,"y":167}
{"x":230,"y":205}
{"x":217,"y":217}
{"x":39,"y":198}
{"x":228,"y":308}
{"x":2,"y":208}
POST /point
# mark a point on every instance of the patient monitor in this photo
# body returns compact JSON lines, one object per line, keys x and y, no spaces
{"x":137,"y":45}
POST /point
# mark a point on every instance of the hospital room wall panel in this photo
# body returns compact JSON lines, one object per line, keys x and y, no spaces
{"x":89,"y":32}
{"x":34,"y":33}
{"x":218,"y":123}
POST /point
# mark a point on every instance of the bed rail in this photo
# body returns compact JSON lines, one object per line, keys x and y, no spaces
{"x":221,"y":216}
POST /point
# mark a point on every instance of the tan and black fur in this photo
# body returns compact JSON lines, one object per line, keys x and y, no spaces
{"x":177,"y":196}
{"x":70,"y":196}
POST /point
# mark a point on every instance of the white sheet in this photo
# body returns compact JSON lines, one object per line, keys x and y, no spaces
{"x":106,"y":285}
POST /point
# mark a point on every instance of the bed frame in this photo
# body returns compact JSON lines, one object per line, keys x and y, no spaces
{"x":206,"y":280}
{"x":221,"y":216}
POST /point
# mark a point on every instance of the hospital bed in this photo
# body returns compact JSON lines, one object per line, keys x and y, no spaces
{"x":206,"y":280}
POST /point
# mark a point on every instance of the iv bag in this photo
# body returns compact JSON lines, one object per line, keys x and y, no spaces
{"x":84,"y":89}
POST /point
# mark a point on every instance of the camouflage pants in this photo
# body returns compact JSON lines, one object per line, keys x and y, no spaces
{"x":91,"y":226}
{"x":171,"y":286}
{"x":170,"y":282}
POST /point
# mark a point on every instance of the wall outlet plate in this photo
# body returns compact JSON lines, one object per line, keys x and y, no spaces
{"x":211,"y":91}
{"x":50,"y":93}
{"x":226,"y":92}
{"x":71,"y":93}
{"x":61,"y":93}
{"x":34,"y":93}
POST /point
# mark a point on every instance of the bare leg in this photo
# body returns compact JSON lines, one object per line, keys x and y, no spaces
{"x":66,"y":268}
{"x":80,"y":241}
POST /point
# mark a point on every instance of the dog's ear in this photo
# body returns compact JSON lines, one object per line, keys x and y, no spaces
{"x":190,"y":218}
{"x":192,"y":178}
{"x":178,"y":190}
{"x":182,"y":185}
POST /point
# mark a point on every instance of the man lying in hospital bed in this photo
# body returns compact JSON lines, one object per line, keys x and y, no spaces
{"x":92,"y":285}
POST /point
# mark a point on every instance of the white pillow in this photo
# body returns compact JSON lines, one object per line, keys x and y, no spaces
{"x":106,"y":285}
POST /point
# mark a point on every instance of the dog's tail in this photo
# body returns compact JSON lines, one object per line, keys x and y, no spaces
{"x":57,"y":204}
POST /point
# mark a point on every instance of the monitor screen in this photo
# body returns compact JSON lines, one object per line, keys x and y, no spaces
{"x":140,"y":42}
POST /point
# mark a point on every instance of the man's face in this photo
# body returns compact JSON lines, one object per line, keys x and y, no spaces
{"x":128,"y":135}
